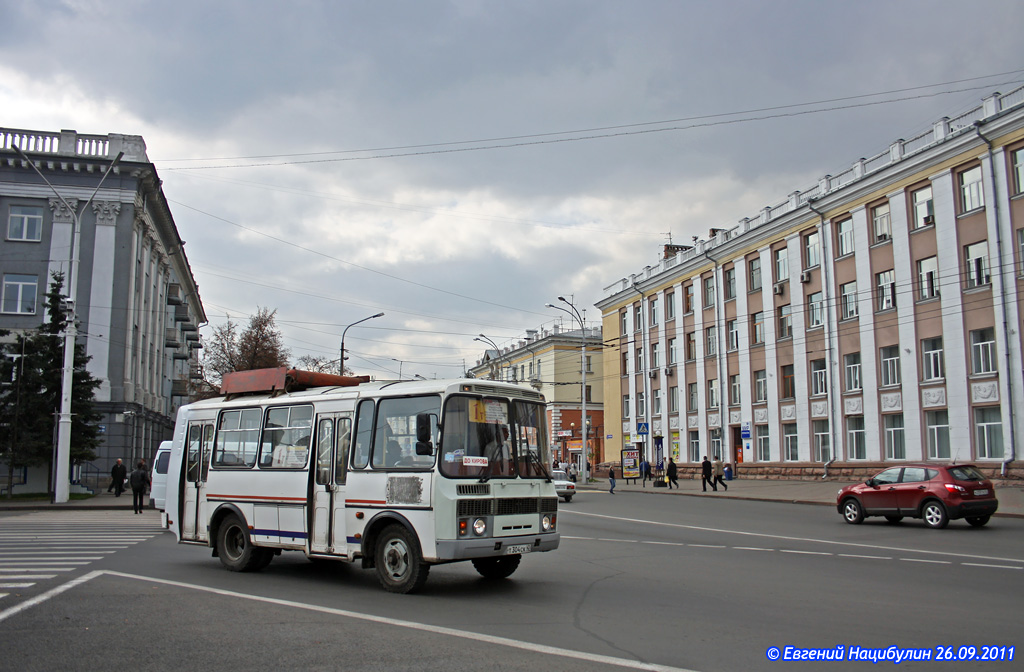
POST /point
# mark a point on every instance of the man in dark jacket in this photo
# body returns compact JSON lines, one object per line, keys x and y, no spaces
{"x":705,"y":475}
{"x":672,"y":473}
{"x":139,"y":480}
{"x":117,"y":476}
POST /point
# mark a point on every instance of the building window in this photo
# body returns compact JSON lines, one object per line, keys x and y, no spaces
{"x":885,"y":284}
{"x":709,"y":292}
{"x":881,"y":223}
{"x":691,"y":346}
{"x":812,"y":250}
{"x":855,"y":440}
{"x":25,"y":223}
{"x":1020,"y":249}
{"x":785,"y":321}
{"x":852,"y":365}
{"x":781,"y":264}
{"x":890,"y":361}
{"x":639,"y":360}
{"x":641,"y":405}
{"x":688,"y":298}
{"x":625,"y":323}
{"x":638,"y":317}
{"x":711,"y":341}
{"x":988,"y":427}
{"x":932,"y":359}
{"x":790,"y":443}
{"x":788,"y":383}
{"x":818,"y":378}
{"x":625,"y":363}
{"x":729,"y":280}
{"x":654,"y":311}
{"x":821,"y":444}
{"x":923,"y":208}
{"x":734,"y":389}
{"x":844,"y":238}
{"x":760,"y":385}
{"x":733,"y":334}
{"x":655,"y":355}
{"x":764,"y":453}
{"x":20,"y":294}
{"x":928,"y":278}
{"x":716,"y":442}
{"x":673,"y":399}
{"x":976,"y":260}
{"x":971,"y":195}
{"x":894,"y":444}
{"x":691,"y":397}
{"x":815,"y":310}
{"x":588,"y":359}
{"x":848,"y":299}
{"x":695,"y":447}
{"x":713,"y":393}
{"x":757,"y":328}
{"x":671,"y":351}
{"x":937,"y":428}
{"x":670,"y":306}
{"x":656,"y":402}
{"x":754,"y":277}
{"x":626,"y":406}
{"x":1018,"y":171}
{"x":983,"y":350}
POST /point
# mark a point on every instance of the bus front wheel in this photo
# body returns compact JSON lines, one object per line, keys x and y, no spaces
{"x":235,"y":549}
{"x":400,"y":567}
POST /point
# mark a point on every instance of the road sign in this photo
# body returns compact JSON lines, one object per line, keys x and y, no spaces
{"x":642,"y":428}
{"x":745,"y":431}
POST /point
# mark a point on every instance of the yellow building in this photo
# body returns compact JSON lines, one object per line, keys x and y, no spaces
{"x":872,"y":318}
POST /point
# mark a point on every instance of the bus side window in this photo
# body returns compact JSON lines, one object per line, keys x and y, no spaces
{"x":364,"y":434}
{"x":324,"y":456}
{"x":195,"y":433}
{"x":344,"y":431}
{"x":207,"y":451}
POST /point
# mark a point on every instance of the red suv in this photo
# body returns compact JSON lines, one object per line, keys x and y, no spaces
{"x":934,"y":492}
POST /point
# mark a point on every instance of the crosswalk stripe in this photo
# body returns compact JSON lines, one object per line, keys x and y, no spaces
{"x":26,"y":577}
{"x":38,"y":569}
{"x":16,"y":585}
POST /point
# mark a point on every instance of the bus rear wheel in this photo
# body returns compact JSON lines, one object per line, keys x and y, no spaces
{"x":235,"y":549}
{"x":497,"y":568}
{"x":400,"y":566}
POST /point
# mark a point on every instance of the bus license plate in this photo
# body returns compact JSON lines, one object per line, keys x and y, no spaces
{"x":515,"y":550}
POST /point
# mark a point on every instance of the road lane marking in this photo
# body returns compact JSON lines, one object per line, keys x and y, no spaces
{"x":584,"y":656}
{"x":865,"y":557}
{"x":786,"y":550}
{"x":701,"y":528}
{"x":932,"y":562}
{"x":16,"y":585}
{"x":38,"y":569}
{"x":978,"y":564}
{"x":751,"y":548}
{"x":706,"y":545}
{"x":26,"y":577}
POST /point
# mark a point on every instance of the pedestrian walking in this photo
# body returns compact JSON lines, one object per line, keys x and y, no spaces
{"x":706,"y":477}
{"x":573,"y":472}
{"x":139,"y":480}
{"x":117,"y":475}
{"x":718,"y":471}
{"x":645,"y":471}
{"x":611,"y":480}
{"x":672,"y":474}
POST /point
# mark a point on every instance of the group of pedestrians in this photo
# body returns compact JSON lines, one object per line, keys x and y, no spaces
{"x":139,"y":481}
{"x":712,"y":473}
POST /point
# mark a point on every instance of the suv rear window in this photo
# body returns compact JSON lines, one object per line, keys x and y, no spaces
{"x":162,"y":460}
{"x":966,"y":473}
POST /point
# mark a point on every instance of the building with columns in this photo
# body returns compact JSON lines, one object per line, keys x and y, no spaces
{"x":550,"y":360}
{"x":872,"y":318}
{"x":136,"y":303}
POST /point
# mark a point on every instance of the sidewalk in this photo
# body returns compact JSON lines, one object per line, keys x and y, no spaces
{"x":820,"y":492}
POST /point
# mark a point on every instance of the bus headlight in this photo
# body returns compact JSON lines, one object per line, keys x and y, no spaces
{"x":479,"y":527}
{"x":547,"y":522}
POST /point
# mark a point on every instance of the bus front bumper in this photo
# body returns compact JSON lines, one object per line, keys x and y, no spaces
{"x":492,"y":547}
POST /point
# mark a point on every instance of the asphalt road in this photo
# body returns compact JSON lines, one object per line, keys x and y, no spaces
{"x":640,"y":582}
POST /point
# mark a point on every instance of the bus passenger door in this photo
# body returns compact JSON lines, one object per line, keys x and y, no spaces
{"x":193,"y":486}
{"x":333,"y":437}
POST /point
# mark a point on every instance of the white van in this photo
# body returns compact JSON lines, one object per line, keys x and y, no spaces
{"x":158,"y":488}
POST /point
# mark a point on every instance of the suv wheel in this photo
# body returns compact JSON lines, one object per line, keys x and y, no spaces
{"x":853,"y":513}
{"x":934,"y":514}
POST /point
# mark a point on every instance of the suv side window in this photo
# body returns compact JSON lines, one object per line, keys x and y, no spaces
{"x":914,"y":475}
{"x":888,"y":476}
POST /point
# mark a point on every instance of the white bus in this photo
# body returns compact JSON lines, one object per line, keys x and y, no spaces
{"x":399,"y":475}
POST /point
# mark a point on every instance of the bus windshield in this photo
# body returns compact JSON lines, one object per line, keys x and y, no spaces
{"x":490,"y":438}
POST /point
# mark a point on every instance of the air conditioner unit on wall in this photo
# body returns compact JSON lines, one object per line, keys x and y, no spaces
{"x":779,"y":288}
{"x":929,"y":220}
{"x":670,"y":371}
{"x":805,"y":276}
{"x":652,"y":374}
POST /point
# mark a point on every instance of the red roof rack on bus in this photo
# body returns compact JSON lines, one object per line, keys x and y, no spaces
{"x":282,"y":380}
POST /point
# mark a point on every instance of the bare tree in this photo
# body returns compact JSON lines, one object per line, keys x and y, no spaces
{"x":318,"y":364}
{"x":259,"y":346}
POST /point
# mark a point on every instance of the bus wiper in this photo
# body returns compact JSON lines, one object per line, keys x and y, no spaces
{"x":540,"y":467}
{"x":491,"y":455}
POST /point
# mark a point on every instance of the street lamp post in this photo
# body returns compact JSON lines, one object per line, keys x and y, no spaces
{"x":341,"y":362}
{"x":483,"y":339}
{"x":62,"y":466}
{"x":585,"y":429}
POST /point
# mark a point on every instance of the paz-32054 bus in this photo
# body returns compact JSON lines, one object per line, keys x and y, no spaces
{"x":400,"y":475}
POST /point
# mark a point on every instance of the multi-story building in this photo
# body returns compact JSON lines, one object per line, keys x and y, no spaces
{"x":551,"y":361}
{"x":873,"y":318}
{"x":136,"y":302}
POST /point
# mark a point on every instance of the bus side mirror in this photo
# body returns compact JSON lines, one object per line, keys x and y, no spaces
{"x":423,"y":444}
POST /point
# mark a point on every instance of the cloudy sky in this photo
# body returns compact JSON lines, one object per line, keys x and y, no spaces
{"x":458,"y":165}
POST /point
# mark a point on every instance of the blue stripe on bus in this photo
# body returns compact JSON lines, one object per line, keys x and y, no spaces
{"x":279,"y":533}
